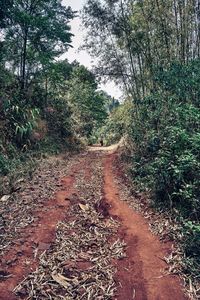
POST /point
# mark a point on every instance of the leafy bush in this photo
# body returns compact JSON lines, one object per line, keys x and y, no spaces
{"x":191,"y":246}
{"x":166,"y":152}
{"x":58,"y":118}
{"x":167,"y":141}
{"x":21,"y":119}
{"x":170,"y":167}
{"x":116,"y":125}
{"x":4,"y":165}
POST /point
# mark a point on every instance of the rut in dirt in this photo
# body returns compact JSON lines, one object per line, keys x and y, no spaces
{"x":87,"y":243}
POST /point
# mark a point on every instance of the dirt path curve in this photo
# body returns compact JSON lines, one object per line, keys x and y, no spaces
{"x":86,"y":243}
{"x":141,"y":273}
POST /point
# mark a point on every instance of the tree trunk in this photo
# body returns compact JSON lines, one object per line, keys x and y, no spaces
{"x":24,"y":54}
{"x":198,"y":28}
{"x":129,"y":50}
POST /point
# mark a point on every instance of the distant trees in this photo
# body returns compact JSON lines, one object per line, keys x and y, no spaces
{"x":88,"y":104}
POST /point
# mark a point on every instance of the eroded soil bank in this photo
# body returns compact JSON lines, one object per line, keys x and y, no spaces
{"x":83,"y":241}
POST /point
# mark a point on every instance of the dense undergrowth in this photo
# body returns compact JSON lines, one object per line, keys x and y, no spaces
{"x":152,"y":49}
{"x":166,"y":155}
{"x":163,"y":151}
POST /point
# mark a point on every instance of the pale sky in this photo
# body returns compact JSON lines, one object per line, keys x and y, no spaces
{"x":82,"y":56}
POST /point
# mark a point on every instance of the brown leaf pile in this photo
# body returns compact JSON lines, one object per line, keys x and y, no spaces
{"x":16,"y":209}
{"x":79,"y":263}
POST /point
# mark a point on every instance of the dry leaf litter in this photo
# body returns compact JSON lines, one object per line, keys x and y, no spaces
{"x":16,"y":209}
{"x":78,"y":264}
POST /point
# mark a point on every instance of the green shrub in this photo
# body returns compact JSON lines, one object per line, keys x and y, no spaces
{"x":58,"y":117}
{"x":21,"y":119}
{"x":4,"y":165}
{"x":191,"y":246}
{"x":116,"y":125}
{"x":166,"y":152}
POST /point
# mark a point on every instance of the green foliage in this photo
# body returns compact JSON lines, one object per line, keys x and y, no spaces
{"x":21,"y":119}
{"x":35,"y":34}
{"x":167,"y":160}
{"x":192,"y":239}
{"x":181,"y":81}
{"x":56,"y":76}
{"x":4,"y":166}
{"x":116,"y":125}
{"x":191,"y":246}
{"x":152,"y":49}
{"x":5,"y":7}
{"x":58,"y":118}
{"x":13,"y":164}
{"x":87,"y":104}
{"x":6,"y":80}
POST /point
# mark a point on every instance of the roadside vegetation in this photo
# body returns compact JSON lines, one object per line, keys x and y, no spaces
{"x":47,"y":105}
{"x":152,"y":49}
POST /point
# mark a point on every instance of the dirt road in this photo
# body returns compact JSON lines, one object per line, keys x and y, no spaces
{"x":83,"y":241}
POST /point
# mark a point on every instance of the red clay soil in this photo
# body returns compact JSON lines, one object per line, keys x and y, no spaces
{"x":139,"y":276}
{"x":22,"y":258}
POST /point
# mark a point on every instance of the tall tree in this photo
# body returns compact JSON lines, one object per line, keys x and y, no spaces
{"x":134,"y":38}
{"x":87,"y":103}
{"x":37,"y":33}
